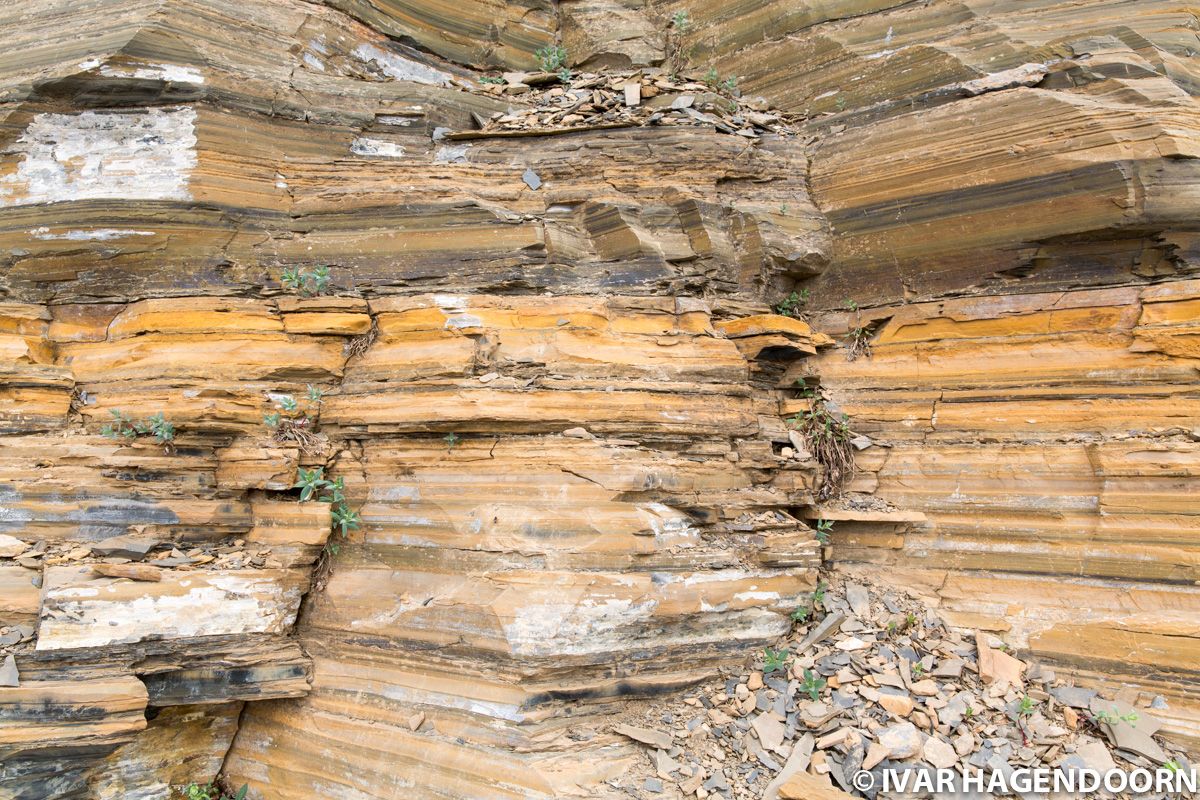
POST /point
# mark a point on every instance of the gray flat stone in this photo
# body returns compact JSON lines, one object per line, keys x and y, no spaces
{"x":8,"y":672}
{"x":827,"y":627}
{"x":859,"y":599}
{"x":131,"y":547}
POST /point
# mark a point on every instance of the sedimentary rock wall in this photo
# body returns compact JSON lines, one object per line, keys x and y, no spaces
{"x":547,"y":370}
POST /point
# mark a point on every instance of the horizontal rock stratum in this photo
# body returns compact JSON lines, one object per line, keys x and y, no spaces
{"x":535,"y":299}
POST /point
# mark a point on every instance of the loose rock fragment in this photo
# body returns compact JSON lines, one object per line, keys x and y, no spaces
{"x":8,"y":672}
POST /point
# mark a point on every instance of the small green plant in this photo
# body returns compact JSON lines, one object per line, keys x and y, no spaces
{"x":840,"y":102}
{"x":774,"y":660}
{"x":551,"y":58}
{"x":490,"y":79}
{"x":818,"y":595}
{"x":1026,"y":707}
{"x":678,"y":53}
{"x":812,"y":684}
{"x":451,"y":440}
{"x":309,"y":482}
{"x":564,"y":75}
{"x":308,"y":283}
{"x":910,"y":620}
{"x":209,"y":791}
{"x":293,"y":425}
{"x":1113,"y":717}
{"x":800,"y":614}
{"x":292,"y":278}
{"x":790,"y":305}
{"x":858,"y":343}
{"x":345,"y":519}
{"x":712,"y":77}
{"x":969,"y":713}
{"x":917,"y":669}
{"x":824,"y":528}
{"x":729,"y":84}
{"x":1172,"y":765}
{"x":125,"y":428}
{"x":851,"y":305}
{"x":313,"y":482}
{"x":891,"y":626}
{"x":828,"y":437}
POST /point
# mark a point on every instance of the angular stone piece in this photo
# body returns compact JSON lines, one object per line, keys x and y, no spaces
{"x":131,"y":547}
{"x":997,"y":667}
{"x":939,"y":753}
{"x":658,"y":739}
{"x":137,"y":572}
{"x":9,"y":676}
{"x":902,"y":740}
{"x":11,"y":546}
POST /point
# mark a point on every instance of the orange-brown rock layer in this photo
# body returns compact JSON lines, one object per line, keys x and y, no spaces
{"x":546,"y":369}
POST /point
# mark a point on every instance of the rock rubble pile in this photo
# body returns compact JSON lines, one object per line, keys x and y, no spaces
{"x":870,"y":679}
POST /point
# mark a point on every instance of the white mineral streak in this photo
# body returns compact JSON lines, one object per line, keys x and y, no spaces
{"x":104,"y":614}
{"x":144,"y":155}
{"x":400,"y":68}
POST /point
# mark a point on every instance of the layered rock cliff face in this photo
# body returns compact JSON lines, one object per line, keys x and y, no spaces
{"x":549,"y":373}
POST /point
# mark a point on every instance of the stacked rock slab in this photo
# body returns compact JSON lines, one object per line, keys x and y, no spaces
{"x":1012,"y":195}
{"x":568,"y":501}
{"x":551,"y":382}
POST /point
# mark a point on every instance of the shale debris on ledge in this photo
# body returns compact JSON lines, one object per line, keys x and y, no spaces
{"x":871,"y":678}
{"x":642,"y":97}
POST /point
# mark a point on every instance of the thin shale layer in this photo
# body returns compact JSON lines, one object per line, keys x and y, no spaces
{"x":549,"y":374}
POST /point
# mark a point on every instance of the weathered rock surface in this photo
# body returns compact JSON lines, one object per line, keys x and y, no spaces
{"x":545,"y":365}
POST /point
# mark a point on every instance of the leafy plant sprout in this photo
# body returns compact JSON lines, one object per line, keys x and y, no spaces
{"x":812,"y":684}
{"x":292,"y":425}
{"x":800,"y":614}
{"x":828,"y":437}
{"x":320,"y":279}
{"x":209,"y":791}
{"x":678,"y":53}
{"x":308,"y":283}
{"x":451,"y":440}
{"x":774,"y":660}
{"x":313,"y":482}
{"x":790,"y":305}
{"x":551,"y":58}
{"x":1113,"y":717}
{"x":858,"y":343}
{"x":917,"y":669}
{"x":824,"y":528}
{"x":1026,"y":707}
{"x":124,"y":428}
